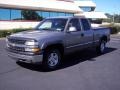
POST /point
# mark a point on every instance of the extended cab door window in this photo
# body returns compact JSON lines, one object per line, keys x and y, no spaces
{"x":87,"y":33}
{"x":74,"y":23}
{"x":85,"y":24}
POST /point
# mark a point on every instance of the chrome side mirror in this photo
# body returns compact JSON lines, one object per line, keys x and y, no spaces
{"x":72,"y":29}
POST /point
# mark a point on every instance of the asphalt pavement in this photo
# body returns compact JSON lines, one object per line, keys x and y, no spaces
{"x":83,"y":70}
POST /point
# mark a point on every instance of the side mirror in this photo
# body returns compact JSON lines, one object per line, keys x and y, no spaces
{"x":72,"y":29}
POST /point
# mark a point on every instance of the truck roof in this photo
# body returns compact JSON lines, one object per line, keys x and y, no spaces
{"x":66,"y":17}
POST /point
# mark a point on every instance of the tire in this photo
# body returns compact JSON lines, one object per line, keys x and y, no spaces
{"x":101,"y":48}
{"x":51,"y":59}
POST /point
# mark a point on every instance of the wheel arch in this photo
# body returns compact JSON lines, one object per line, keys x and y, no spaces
{"x":104,"y":37}
{"x":58,"y":46}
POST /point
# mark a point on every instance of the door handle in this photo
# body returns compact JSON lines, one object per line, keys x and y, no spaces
{"x":82,"y":34}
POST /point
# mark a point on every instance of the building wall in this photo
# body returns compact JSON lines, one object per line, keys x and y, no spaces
{"x":11,"y":10}
{"x":6,"y":25}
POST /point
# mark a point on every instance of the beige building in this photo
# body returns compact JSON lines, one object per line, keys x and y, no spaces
{"x":11,"y":16}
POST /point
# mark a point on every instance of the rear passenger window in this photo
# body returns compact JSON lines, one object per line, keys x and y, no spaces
{"x":74,"y":23}
{"x":85,"y":24}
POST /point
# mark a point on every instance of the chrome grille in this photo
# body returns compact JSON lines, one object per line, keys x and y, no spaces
{"x":15,"y":48}
{"x":16,"y":41}
{"x":16,"y":44}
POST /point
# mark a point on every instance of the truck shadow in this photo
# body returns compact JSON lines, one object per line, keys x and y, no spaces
{"x":70,"y":60}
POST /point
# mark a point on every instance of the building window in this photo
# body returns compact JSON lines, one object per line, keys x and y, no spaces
{"x":5,"y":14}
{"x":61,"y":14}
{"x":39,"y":13}
{"x":86,"y":9}
{"x":69,"y":14}
{"x":45,"y":14}
{"x":16,"y":15}
{"x":13,"y":14}
{"x":53,"y":14}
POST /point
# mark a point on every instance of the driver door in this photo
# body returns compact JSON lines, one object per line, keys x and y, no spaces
{"x":73,"y":37}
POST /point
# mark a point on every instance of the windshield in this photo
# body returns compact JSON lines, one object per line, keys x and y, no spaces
{"x":52,"y":24}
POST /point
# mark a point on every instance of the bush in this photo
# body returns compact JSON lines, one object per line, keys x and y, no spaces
{"x":114,"y":29}
{"x":4,"y":33}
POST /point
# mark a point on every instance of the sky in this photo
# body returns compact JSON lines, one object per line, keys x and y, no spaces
{"x":108,"y":6}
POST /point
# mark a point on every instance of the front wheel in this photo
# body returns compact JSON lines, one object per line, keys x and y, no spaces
{"x":51,"y":59}
{"x":101,"y":48}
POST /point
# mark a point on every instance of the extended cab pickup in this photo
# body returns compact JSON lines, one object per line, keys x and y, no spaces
{"x":55,"y":37}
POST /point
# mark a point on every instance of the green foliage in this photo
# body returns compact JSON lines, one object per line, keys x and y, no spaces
{"x":30,"y":15}
{"x":4,"y":33}
{"x":114,"y":29}
{"x":111,"y":18}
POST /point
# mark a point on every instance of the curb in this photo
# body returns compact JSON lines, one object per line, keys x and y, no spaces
{"x":2,"y":38}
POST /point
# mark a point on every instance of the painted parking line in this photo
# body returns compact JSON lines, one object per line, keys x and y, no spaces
{"x":2,"y":38}
{"x":115,"y":40}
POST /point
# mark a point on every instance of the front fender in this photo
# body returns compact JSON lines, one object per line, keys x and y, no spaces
{"x":48,"y":43}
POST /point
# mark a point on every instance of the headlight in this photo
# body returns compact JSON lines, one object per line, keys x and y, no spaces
{"x":32,"y":46}
{"x":31,"y":43}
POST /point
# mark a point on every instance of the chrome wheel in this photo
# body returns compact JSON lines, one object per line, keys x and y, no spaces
{"x":53,"y":59}
{"x":102,"y":46}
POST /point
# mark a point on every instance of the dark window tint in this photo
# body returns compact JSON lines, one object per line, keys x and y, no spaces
{"x":74,"y":23}
{"x":85,"y":24}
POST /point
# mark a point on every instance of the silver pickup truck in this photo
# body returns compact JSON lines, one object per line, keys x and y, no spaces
{"x":54,"y":38}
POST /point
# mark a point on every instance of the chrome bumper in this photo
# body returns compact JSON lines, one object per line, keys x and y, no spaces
{"x":26,"y":58}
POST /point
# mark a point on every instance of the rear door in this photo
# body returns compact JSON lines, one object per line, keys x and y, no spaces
{"x":87,"y":33}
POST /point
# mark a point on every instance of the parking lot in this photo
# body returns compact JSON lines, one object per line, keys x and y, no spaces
{"x":83,"y":70}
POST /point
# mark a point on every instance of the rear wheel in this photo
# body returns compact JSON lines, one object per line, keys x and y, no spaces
{"x":101,"y":47}
{"x":52,"y":58}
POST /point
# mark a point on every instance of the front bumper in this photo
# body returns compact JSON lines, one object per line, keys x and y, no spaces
{"x":26,"y":58}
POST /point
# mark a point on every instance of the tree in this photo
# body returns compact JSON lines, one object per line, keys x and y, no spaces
{"x":111,"y":18}
{"x":30,"y":15}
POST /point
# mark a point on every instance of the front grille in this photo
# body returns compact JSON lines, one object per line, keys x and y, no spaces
{"x":16,"y":41}
{"x":16,"y":44}
{"x":15,"y":48}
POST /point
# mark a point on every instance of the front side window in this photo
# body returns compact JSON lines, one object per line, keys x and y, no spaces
{"x":74,"y":23}
{"x":52,"y":24}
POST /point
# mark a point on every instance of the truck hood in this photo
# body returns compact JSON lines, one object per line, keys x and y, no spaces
{"x":36,"y":34}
